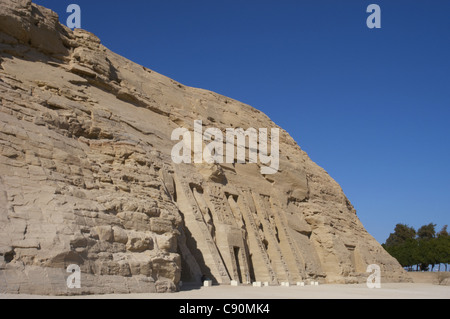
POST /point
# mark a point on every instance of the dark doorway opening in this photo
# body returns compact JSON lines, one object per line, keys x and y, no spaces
{"x":236,"y":251}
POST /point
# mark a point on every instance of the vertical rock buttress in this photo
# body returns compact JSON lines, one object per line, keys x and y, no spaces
{"x":87,"y":179}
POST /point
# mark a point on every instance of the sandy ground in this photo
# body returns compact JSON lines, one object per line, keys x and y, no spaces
{"x":387,"y":291}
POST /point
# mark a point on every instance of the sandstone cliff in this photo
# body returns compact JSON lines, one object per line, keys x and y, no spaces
{"x":86,"y":178}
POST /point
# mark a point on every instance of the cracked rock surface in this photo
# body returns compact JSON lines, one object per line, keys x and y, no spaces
{"x":86,"y":178}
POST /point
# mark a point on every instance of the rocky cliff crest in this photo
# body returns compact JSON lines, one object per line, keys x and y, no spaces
{"x":86,"y":178}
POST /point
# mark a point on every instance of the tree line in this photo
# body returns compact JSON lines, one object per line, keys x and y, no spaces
{"x":422,"y":249}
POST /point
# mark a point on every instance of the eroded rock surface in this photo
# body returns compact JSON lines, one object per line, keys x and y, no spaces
{"x":86,"y":178}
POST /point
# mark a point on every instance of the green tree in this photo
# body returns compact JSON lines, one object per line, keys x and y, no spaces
{"x":443,"y":232}
{"x":401,"y":233}
{"x":423,"y":248}
{"x":406,"y":252}
{"x":443,"y":247}
{"x":446,"y":251}
{"x":427,"y":231}
{"x":427,"y":254}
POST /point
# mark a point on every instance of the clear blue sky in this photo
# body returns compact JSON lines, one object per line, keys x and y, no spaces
{"x":372,"y":107}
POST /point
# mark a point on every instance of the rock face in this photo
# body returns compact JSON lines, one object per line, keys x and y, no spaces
{"x":87,"y":178}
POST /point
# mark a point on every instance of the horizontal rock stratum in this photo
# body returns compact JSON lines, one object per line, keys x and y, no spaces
{"x":87,"y":179}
